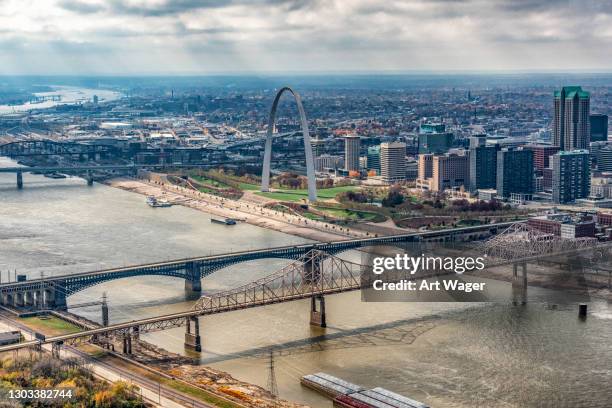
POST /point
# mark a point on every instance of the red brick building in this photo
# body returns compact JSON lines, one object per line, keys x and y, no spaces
{"x":604,"y":218}
{"x":541,"y":155}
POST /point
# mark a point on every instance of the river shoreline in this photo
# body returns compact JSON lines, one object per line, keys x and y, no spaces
{"x":246,"y":212}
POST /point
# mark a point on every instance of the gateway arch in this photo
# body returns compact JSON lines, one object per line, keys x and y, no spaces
{"x":310,"y":169}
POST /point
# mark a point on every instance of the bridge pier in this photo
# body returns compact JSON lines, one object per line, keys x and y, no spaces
{"x":105,"y":319}
{"x":19,"y":299}
{"x":89,"y":178}
{"x":56,"y":349}
{"x":28,"y":299}
{"x":39,"y":299}
{"x":7,"y":299}
{"x":193,"y":340}
{"x":317,"y":317}
{"x":519,"y":284}
{"x":56,"y":298}
{"x":19,"y":180}
{"x":193,"y":284}
{"x":127,"y":344}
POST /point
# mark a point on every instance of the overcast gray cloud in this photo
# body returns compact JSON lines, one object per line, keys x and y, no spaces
{"x":215,"y":36}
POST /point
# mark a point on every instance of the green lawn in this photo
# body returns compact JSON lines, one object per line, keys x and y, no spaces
{"x":250,"y":187}
{"x":210,"y":182}
{"x":297,"y":195}
{"x":50,"y":325}
{"x":348,"y":213}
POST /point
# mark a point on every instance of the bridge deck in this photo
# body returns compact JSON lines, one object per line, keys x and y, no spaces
{"x":328,"y":246}
{"x":179,"y":319}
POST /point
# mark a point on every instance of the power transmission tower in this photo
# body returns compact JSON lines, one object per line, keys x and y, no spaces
{"x":272,"y":386}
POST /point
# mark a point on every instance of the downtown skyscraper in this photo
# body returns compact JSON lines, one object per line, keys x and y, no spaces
{"x":352,"y":147}
{"x":571,"y":127}
{"x":571,"y":176}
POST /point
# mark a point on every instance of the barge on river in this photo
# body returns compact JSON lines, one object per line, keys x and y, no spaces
{"x":225,"y":221}
{"x":349,"y":395}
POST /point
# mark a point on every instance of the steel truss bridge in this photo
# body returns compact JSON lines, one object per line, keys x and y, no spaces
{"x":97,"y":151}
{"x":523,"y":240}
{"x":25,"y":148}
{"x":313,"y":275}
{"x":51,"y":292}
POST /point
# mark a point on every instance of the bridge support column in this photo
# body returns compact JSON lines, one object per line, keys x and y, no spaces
{"x":56,"y":349}
{"x":39,"y":299}
{"x":519,"y":284}
{"x":28,"y":299}
{"x":90,"y":179}
{"x":193,"y":340}
{"x":19,"y":299}
{"x":19,"y":180}
{"x":105,"y":320}
{"x":193,"y":284}
{"x":56,"y":298}
{"x":127,"y":344}
{"x":317,"y":317}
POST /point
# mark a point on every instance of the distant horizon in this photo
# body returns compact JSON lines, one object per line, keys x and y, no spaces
{"x":314,"y":73}
{"x":305,"y":37}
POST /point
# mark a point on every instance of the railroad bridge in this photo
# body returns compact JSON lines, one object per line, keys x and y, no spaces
{"x":79,"y":151}
{"x":51,"y":292}
{"x":314,"y":275}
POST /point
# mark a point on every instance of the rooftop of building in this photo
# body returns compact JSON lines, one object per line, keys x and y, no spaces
{"x":432,"y":128}
{"x":390,"y":145}
{"x":571,"y":92}
{"x":572,"y":152}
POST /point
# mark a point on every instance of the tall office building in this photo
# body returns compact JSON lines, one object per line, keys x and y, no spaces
{"x":478,"y":140}
{"x":373,"y":158}
{"x":571,"y":176}
{"x":599,"y":127}
{"x":352,"y":145}
{"x":541,"y":155}
{"x":604,"y":159}
{"x":425,"y":166}
{"x":393,"y":162}
{"x":483,"y":167}
{"x":571,"y":123}
{"x":514,"y":172}
{"x":433,"y":138}
{"x":317,"y":146}
{"x":450,"y":170}
{"x":328,"y":162}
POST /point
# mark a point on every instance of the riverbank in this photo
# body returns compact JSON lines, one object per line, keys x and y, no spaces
{"x":248,"y":212}
{"x":181,"y":373}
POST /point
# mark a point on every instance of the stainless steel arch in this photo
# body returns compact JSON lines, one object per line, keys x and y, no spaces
{"x":310,"y":169}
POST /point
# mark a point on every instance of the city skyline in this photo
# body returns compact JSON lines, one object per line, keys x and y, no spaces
{"x":242,"y":36}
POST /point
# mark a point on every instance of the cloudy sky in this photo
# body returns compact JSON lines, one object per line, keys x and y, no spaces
{"x":230,"y":36}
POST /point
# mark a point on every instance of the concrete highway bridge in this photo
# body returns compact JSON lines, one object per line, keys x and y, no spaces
{"x":51,"y":292}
